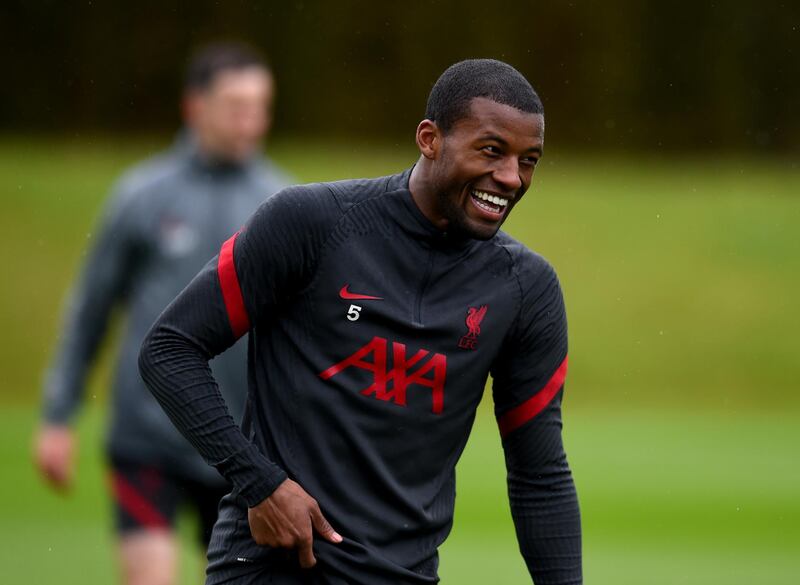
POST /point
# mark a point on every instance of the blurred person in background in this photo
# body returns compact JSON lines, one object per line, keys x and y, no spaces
{"x":166,"y":218}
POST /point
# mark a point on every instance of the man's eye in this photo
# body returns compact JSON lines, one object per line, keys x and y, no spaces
{"x":529,"y":161}
{"x":491,"y":149}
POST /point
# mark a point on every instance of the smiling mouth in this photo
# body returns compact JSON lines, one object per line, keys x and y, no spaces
{"x":492,"y":204}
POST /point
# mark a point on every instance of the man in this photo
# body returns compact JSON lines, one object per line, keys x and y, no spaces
{"x":376,"y":311}
{"x":167,"y":217}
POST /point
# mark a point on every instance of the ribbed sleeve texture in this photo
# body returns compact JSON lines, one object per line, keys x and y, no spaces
{"x":177,"y":373}
{"x":544,"y":503}
{"x":274,"y":255}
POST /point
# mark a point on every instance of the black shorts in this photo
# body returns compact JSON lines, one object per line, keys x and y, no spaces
{"x":148,"y":497}
{"x":234,"y":558}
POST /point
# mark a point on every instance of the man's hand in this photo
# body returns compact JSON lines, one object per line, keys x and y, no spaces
{"x":54,"y":448}
{"x":287,"y":519}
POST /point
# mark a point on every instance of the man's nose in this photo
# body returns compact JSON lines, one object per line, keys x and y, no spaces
{"x":507,"y":174}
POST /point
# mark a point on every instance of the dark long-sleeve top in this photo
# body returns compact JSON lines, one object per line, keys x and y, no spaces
{"x":372,"y":335}
{"x":166,"y":218}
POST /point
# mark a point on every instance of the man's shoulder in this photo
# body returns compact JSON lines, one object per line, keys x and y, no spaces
{"x":135,"y":192}
{"x":310,"y":206}
{"x":149,"y":175}
{"x":317,"y":208}
{"x":531,"y":268}
{"x":351,"y":192}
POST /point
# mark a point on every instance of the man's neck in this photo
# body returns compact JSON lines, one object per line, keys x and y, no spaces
{"x":425,"y":199}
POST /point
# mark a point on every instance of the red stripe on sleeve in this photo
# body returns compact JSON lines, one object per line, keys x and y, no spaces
{"x":518,"y":416}
{"x":231,"y":291}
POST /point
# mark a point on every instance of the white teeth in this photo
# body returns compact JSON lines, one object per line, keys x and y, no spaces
{"x":490,"y":198}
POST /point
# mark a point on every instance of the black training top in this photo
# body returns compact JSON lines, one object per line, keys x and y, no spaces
{"x":372,"y":334}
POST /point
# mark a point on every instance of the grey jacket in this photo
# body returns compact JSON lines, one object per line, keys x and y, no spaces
{"x":167,"y":217}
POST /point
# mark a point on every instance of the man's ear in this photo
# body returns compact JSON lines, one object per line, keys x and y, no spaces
{"x":429,"y":139}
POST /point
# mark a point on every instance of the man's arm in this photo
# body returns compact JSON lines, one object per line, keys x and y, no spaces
{"x":256,"y":270}
{"x":528,"y":387}
{"x":102,"y":284}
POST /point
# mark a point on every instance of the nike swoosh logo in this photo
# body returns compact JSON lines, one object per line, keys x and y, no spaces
{"x":349,"y":296}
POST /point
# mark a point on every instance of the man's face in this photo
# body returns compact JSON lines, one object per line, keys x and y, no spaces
{"x":231,"y":116}
{"x":485,"y":165}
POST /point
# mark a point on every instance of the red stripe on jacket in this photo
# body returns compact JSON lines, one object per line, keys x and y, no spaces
{"x":231,"y":290}
{"x":519,"y":415}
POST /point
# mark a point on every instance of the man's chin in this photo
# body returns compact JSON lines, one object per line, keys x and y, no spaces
{"x":478,"y":231}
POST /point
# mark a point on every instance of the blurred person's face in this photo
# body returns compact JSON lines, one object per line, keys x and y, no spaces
{"x":232,"y":115}
{"x":482,"y":166}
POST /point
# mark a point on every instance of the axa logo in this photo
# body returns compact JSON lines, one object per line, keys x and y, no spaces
{"x":393,"y":383}
{"x":474,"y":317}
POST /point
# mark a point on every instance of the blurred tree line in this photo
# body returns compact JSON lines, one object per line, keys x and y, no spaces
{"x":614,"y":75}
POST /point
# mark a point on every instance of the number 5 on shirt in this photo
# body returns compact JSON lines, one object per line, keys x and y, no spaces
{"x":353,"y":313}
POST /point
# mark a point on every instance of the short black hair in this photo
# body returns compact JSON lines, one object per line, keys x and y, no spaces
{"x":211,"y":60}
{"x":452,"y":93}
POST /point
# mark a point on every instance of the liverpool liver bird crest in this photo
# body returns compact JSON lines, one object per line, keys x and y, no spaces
{"x":474,"y":317}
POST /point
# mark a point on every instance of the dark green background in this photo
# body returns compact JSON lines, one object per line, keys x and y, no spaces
{"x":667,"y":200}
{"x":615,"y":74}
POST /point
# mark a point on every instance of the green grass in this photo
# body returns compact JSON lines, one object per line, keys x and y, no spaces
{"x":681,"y":279}
{"x":667,"y":498}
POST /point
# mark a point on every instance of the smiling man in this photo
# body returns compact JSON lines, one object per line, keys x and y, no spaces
{"x":376,"y":310}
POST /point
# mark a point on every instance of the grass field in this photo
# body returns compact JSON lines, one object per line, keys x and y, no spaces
{"x":682,"y":408}
{"x":666,"y":499}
